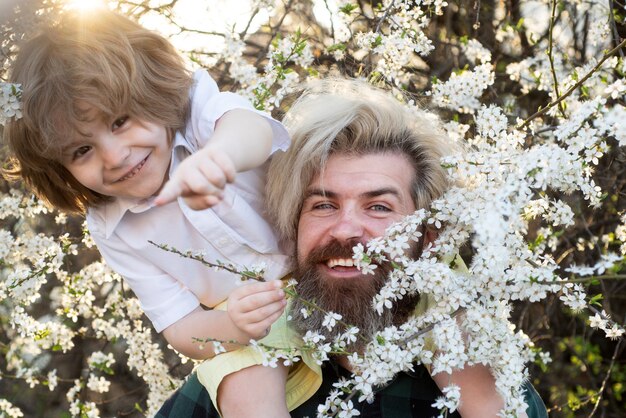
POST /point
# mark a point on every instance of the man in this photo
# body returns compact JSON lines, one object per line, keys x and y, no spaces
{"x":359,"y":162}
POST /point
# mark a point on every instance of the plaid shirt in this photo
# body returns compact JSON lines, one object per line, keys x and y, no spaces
{"x":410,"y":394}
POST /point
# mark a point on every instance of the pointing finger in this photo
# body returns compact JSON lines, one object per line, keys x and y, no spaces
{"x":169,"y":193}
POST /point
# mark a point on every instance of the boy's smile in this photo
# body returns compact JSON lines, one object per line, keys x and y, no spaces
{"x":128,"y":158}
{"x":135,"y":169}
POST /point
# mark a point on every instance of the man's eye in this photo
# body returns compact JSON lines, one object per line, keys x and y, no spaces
{"x":380,"y":208}
{"x":322,"y":206}
{"x":119,"y":122}
{"x":80,"y":151}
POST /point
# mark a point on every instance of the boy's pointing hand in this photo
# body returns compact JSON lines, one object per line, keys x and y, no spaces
{"x":199,"y":180}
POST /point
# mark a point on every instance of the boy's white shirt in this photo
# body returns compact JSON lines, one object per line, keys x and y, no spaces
{"x":234,"y":231}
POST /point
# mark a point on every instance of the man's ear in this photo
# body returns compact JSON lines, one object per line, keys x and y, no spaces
{"x":430,"y":235}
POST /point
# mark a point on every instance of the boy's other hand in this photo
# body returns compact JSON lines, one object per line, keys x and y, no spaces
{"x":253,"y":308}
{"x":200,"y":180}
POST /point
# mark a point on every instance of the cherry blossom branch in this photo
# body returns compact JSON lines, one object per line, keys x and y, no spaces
{"x":580,"y":82}
{"x":476,"y":24}
{"x":245,"y":274}
{"x":585,"y":279}
{"x":426,"y":329}
{"x":274,"y":30}
{"x":292,"y":292}
{"x":606,"y":378}
{"x":606,"y":317}
{"x":614,"y":25}
{"x":384,"y":16}
{"x":245,"y":30}
{"x":551,"y":57}
{"x":402,"y":343}
{"x":42,"y":271}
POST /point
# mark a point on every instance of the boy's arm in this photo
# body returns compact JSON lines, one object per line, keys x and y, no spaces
{"x":252,"y":309}
{"x":245,"y":136}
{"x":242,"y":140}
{"x":479,"y":397}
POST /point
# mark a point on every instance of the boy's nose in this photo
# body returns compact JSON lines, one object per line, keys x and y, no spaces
{"x":114,"y":154}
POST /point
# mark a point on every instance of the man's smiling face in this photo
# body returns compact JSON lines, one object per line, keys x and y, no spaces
{"x":354,"y":199}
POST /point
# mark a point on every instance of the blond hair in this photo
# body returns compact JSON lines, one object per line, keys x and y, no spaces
{"x":103,"y":62}
{"x":351,"y":117}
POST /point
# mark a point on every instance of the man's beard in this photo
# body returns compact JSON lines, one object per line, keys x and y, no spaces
{"x":351,"y":298}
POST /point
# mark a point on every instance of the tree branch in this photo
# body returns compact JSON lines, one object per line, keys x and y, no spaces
{"x":580,"y":82}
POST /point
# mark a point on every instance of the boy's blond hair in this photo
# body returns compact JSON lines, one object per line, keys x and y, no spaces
{"x":103,"y":62}
{"x":350,"y":117}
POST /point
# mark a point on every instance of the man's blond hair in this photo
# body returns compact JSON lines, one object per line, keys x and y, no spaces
{"x":351,"y":118}
{"x":100,"y":62}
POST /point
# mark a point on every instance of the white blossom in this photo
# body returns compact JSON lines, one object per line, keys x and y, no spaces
{"x":462,"y":91}
{"x":330,"y":320}
{"x":10,"y":104}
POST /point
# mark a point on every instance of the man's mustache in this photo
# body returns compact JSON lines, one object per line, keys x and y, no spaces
{"x":334,"y":249}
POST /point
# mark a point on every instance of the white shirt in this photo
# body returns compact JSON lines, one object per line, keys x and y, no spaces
{"x":234,"y":231}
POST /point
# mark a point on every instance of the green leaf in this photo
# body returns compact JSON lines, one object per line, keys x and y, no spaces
{"x":377,"y":42}
{"x":337,"y":47}
{"x":276,"y":40}
{"x":595,"y":300}
{"x":348,"y":8}
{"x":40,"y":335}
{"x":584,"y":91}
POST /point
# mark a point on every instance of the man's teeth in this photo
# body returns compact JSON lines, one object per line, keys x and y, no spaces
{"x":342,"y":262}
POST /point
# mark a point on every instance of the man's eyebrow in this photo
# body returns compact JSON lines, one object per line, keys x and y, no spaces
{"x":382,"y":191}
{"x":319,"y":192}
{"x":368,"y":194}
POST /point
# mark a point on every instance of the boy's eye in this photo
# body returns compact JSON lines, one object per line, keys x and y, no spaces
{"x":80,"y":151}
{"x":119,"y":122}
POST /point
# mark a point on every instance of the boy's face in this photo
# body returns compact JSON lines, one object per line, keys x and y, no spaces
{"x":128,"y":157}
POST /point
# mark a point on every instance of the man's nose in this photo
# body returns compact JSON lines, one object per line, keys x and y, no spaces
{"x":348,"y":225}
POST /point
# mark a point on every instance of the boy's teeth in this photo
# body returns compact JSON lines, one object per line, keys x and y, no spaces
{"x":135,"y":170}
{"x":343,"y":262}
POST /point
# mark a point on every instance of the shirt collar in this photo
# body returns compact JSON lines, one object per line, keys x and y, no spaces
{"x":180,"y":141}
{"x":114,"y":211}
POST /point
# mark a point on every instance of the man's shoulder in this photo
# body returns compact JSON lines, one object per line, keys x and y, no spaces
{"x":191,"y":400}
{"x":536,"y":407}
{"x":409,"y":394}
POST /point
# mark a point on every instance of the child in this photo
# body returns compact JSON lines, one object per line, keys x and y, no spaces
{"x":114,"y":126}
